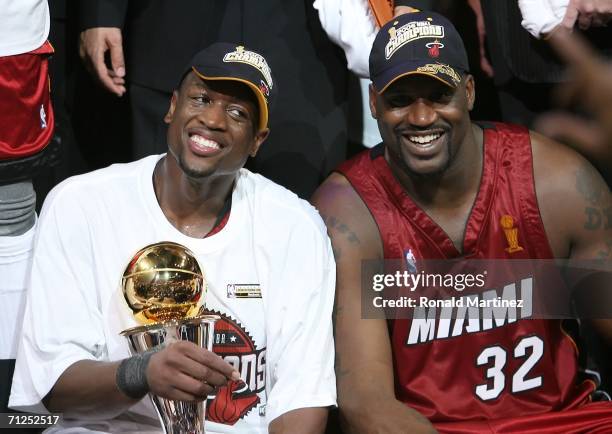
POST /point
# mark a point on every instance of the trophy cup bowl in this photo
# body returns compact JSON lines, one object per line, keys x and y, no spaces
{"x":164,"y":285}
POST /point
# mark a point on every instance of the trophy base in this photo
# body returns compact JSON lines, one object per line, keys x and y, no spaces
{"x":176,"y":417}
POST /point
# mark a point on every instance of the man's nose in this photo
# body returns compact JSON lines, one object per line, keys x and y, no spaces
{"x":421,"y":113}
{"x":213,"y":116}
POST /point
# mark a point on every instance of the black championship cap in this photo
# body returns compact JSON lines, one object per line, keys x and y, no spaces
{"x":225,"y":61}
{"x":417,"y":43}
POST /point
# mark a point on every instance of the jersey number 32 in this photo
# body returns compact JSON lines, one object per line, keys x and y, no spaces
{"x":496,"y":356}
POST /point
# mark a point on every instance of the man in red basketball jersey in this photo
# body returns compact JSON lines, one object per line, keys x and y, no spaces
{"x":442,"y":187}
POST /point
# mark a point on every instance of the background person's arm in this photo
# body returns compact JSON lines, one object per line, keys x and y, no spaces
{"x":590,"y":86}
{"x":364,"y":364}
{"x":351,"y":25}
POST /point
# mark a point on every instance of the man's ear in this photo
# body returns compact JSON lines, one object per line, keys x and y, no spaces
{"x":170,"y":114}
{"x":470,"y":91}
{"x":373,"y":95}
{"x":260,"y":137}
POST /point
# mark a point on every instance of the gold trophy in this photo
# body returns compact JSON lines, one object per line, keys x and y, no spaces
{"x":164,"y":286}
{"x":511,"y":233}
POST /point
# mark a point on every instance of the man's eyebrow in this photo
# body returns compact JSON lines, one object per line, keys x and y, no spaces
{"x":199,"y":84}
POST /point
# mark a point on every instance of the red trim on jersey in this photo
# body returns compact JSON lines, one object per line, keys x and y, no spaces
{"x":26,"y":115}
{"x":220,"y":225}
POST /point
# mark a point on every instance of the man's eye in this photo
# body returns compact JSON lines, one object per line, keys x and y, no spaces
{"x":201,"y":99}
{"x":237,"y":112}
{"x":400,"y":101}
{"x":442,"y":96}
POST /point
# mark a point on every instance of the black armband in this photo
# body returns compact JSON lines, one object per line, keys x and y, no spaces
{"x":131,"y":375}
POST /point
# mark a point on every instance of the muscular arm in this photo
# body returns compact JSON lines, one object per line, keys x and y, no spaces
{"x":576,"y":208}
{"x":364,"y":364}
{"x":181,"y":371}
{"x":88,"y":388}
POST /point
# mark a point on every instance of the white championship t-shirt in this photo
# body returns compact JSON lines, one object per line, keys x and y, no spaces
{"x":281,"y":341}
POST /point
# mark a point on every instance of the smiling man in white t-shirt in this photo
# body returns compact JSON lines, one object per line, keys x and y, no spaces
{"x":243,"y":229}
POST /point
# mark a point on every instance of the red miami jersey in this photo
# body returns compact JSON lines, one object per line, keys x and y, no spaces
{"x":520,"y":377}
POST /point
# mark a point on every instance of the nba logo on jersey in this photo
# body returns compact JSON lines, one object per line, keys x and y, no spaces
{"x":43,"y":117}
{"x":410,"y":261}
{"x":243,"y":290}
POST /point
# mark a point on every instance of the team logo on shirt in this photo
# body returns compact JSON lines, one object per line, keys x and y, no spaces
{"x":507,"y":223}
{"x":236,"y":346}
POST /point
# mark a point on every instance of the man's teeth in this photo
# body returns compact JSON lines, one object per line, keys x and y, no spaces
{"x":422,"y":140}
{"x":205,"y":142}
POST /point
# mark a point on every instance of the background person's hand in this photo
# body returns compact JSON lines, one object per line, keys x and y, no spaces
{"x":93,"y":45}
{"x":589,"y":87}
{"x":588,"y":13}
{"x":185,"y":372}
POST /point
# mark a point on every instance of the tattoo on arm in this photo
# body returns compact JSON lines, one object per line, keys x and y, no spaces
{"x":598,"y":213}
{"x":596,"y":218}
{"x":333,"y":223}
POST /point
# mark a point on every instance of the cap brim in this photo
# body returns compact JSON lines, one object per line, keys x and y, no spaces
{"x":417,"y":67}
{"x":261,"y":99}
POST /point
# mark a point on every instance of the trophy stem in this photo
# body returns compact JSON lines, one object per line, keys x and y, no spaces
{"x":176,"y":417}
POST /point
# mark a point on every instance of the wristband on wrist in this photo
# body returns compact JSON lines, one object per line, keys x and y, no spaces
{"x":131,"y":375}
